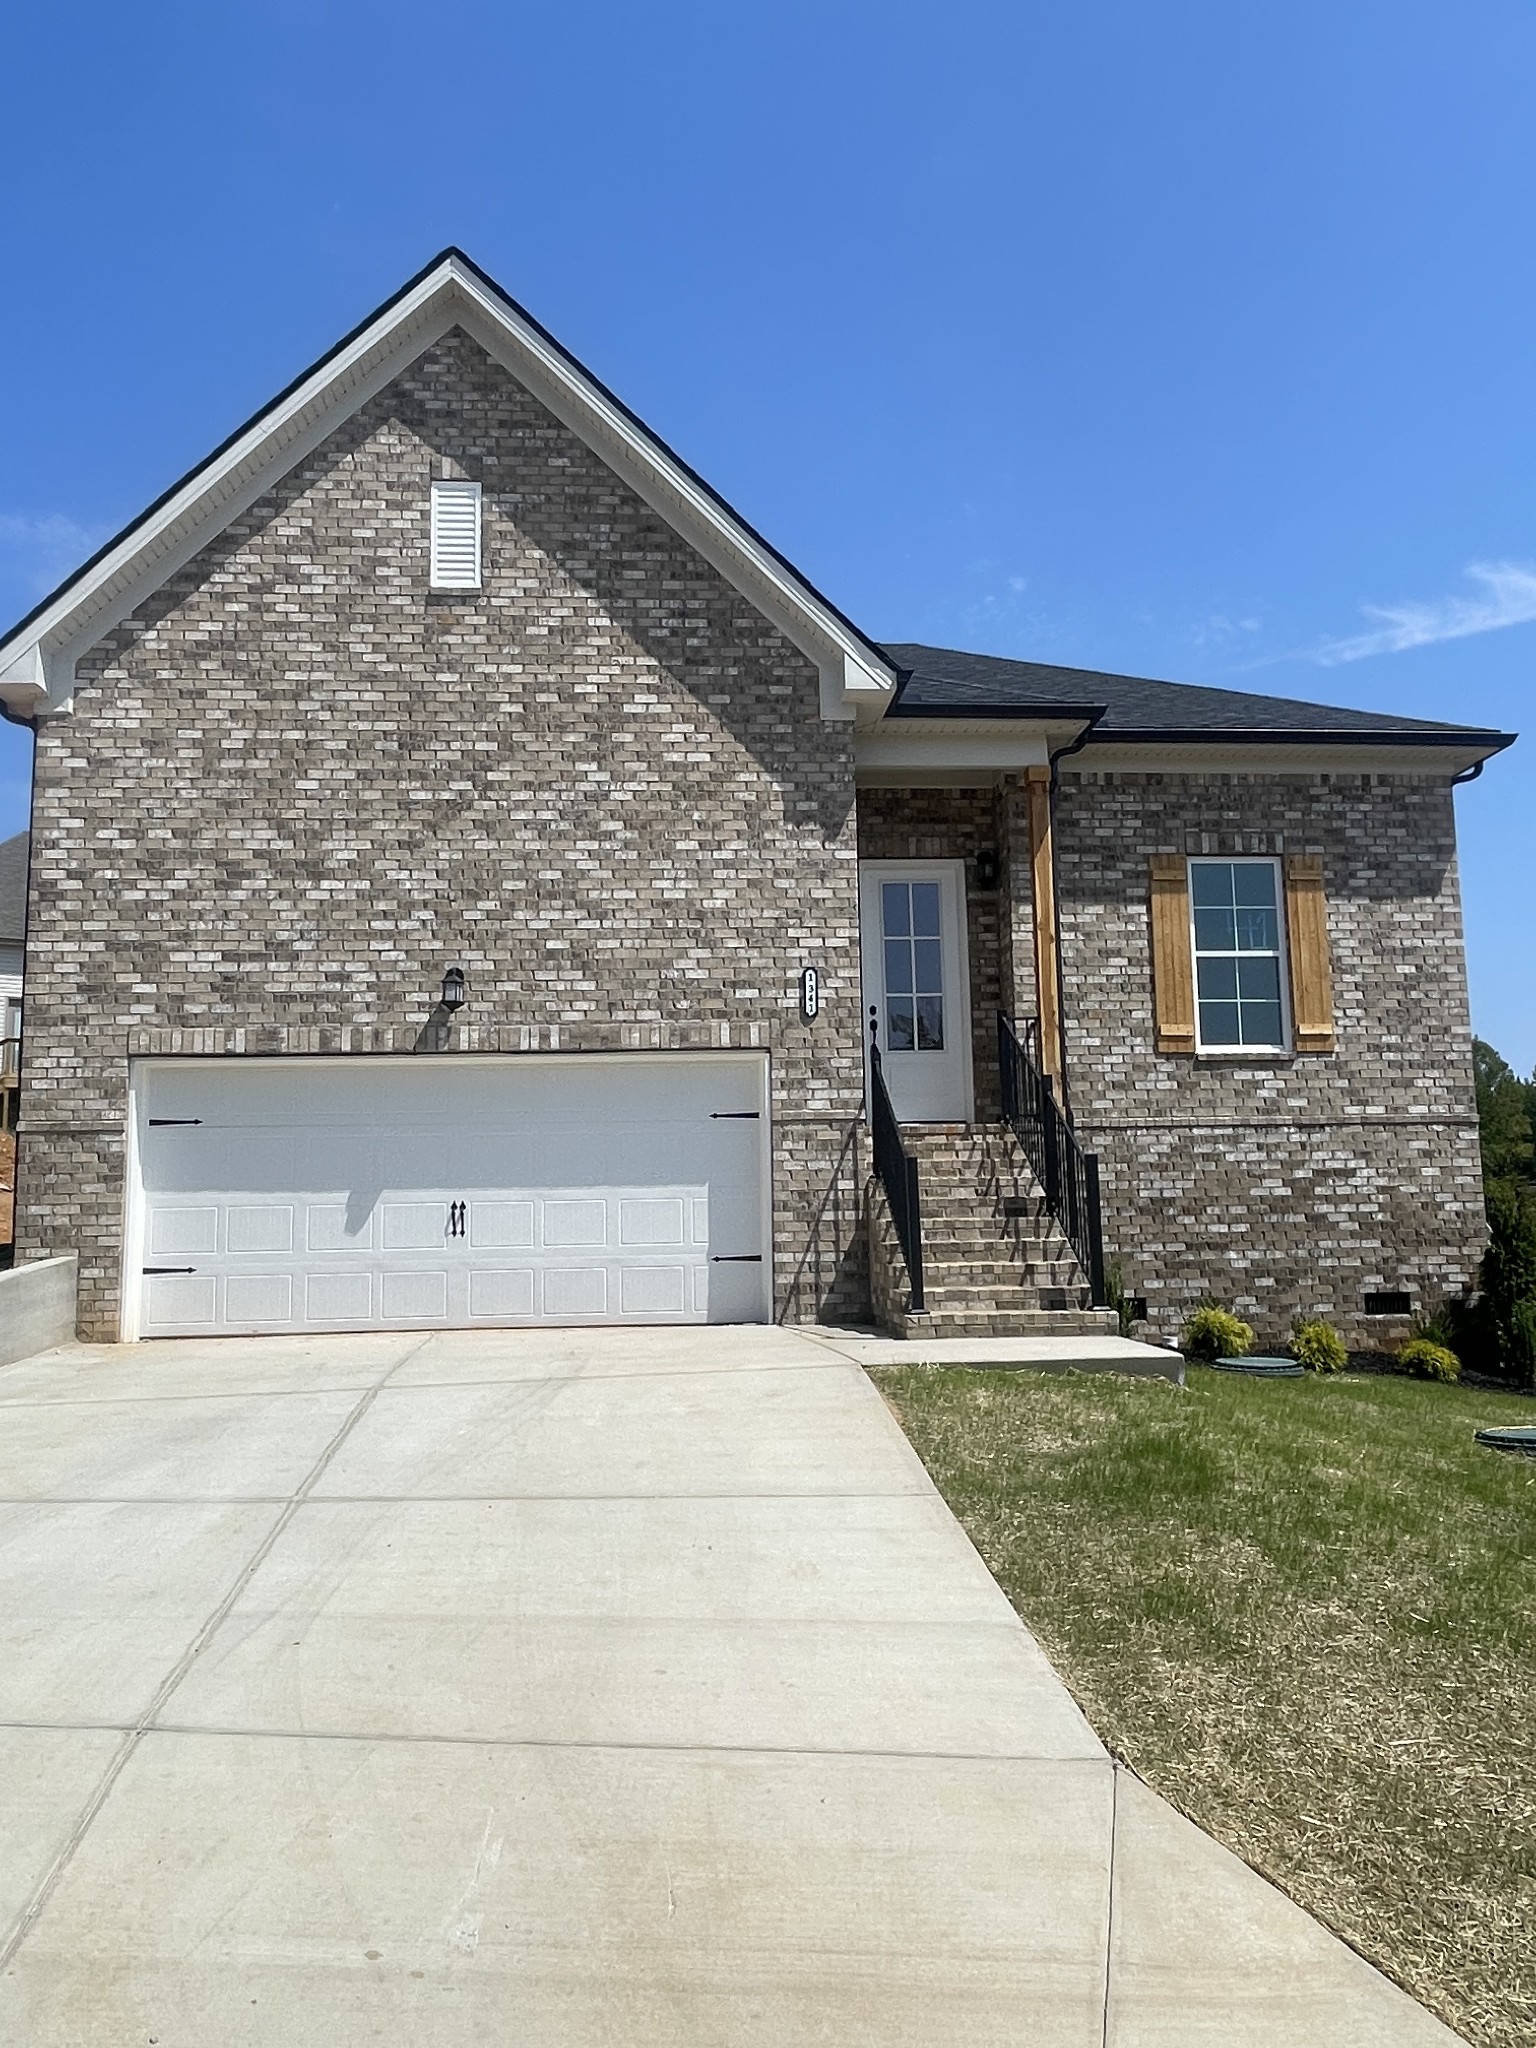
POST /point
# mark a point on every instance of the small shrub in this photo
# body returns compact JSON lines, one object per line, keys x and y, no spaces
{"x":1117,"y":1299}
{"x":1318,"y":1346}
{"x":1427,"y":1360}
{"x":1212,"y":1332}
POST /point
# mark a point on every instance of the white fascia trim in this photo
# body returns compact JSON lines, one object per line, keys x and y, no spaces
{"x":954,"y":752}
{"x":37,"y":667}
{"x":1433,"y":763}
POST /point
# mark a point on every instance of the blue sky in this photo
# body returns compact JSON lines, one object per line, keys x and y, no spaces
{"x":1190,"y":341}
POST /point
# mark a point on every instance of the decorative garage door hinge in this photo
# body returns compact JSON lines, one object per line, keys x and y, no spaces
{"x":156,"y":1122}
{"x":725,"y":1116}
{"x":170,"y":1269}
{"x":736,"y":1258}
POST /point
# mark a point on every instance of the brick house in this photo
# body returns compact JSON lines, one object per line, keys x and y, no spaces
{"x":467,"y":860}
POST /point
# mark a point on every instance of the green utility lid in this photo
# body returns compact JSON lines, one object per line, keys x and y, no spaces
{"x":1521,"y":1440}
{"x":1260,"y":1367}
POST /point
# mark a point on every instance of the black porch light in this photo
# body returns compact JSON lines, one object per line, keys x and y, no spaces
{"x":453,"y":990}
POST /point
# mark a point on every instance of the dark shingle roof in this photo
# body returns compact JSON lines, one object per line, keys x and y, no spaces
{"x":942,"y":682}
{"x":13,"y":889}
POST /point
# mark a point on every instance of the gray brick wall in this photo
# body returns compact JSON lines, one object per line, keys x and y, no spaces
{"x":1279,"y":1184}
{"x":297,"y":785}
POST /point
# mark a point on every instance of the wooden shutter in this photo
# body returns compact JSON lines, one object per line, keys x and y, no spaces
{"x":455,"y":535}
{"x":1306,"y":919}
{"x":1173,"y":973}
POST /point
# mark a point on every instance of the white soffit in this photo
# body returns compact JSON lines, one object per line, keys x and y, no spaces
{"x":951,"y":752}
{"x":37,"y":660}
{"x":1411,"y":756}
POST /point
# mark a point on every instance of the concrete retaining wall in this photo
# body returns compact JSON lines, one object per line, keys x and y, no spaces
{"x":37,"y":1307}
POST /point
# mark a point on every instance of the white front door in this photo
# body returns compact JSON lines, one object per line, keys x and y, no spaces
{"x":449,"y":1192}
{"x":917,"y":984}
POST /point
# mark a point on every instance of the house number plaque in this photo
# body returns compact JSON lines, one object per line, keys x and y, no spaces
{"x":810,"y":994}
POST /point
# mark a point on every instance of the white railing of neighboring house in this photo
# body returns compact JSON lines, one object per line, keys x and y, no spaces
{"x":10,"y":1081}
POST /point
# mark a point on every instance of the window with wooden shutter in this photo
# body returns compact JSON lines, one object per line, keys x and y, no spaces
{"x":455,"y":535}
{"x":1173,"y":979}
{"x":1306,"y":917}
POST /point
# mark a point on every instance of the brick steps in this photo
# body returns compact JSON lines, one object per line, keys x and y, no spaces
{"x":986,"y":1272}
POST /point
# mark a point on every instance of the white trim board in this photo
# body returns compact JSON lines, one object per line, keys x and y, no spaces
{"x":37,"y":660}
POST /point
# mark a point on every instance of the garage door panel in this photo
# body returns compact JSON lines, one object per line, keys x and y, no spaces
{"x":186,"y":1299}
{"x":503,"y":1293}
{"x":413,"y":1226}
{"x":357,"y":1193}
{"x":654,"y":1221}
{"x":267,"y":1228}
{"x":178,"y":1230}
{"x":501,"y":1226}
{"x":575,"y":1292}
{"x":655,"y":1291}
{"x":251,"y":1298}
{"x":337,"y":1298}
{"x":413,"y":1297}
{"x":566,"y":1220}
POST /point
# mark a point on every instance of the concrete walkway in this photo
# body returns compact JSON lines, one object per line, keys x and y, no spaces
{"x":623,"y":1688}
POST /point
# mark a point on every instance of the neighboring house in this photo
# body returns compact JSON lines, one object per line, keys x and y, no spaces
{"x":13,"y":934}
{"x":445,"y":678}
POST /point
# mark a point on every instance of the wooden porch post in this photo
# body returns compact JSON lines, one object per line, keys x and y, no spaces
{"x":1042,"y":869}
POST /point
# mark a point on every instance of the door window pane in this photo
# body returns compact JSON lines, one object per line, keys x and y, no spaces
{"x":1237,"y":939}
{"x":899,"y":1036}
{"x":925,"y":909}
{"x":914,"y":966}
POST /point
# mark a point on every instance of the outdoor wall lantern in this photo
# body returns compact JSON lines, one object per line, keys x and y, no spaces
{"x":453,"y":990}
{"x":986,"y":868}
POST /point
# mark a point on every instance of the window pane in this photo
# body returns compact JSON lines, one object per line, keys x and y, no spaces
{"x":1210,"y":881}
{"x":930,"y":973}
{"x":1258,"y":981}
{"x":1261,"y":1023}
{"x":1216,"y":930}
{"x":925,"y":909}
{"x":898,"y":967}
{"x":1258,"y":931}
{"x":1218,"y":980}
{"x":895,"y":911}
{"x":898,"y":1025}
{"x":1254,"y":883}
{"x":930,"y":1023}
{"x":1218,"y":1024}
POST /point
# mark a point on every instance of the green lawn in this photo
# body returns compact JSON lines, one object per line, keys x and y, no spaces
{"x":1304,"y":1610}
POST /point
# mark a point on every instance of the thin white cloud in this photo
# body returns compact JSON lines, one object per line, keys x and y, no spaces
{"x":39,"y":551}
{"x":1506,"y":596}
{"x":1221,"y":632}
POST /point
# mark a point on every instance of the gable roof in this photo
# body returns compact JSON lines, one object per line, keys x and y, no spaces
{"x":38,"y":655}
{"x":942,"y":682}
{"x":13,"y":889}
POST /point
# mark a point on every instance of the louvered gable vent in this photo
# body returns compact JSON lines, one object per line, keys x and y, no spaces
{"x":455,"y":535}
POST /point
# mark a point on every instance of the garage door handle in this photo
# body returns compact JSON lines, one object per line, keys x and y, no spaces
{"x":170,"y":1269}
{"x":725,"y":1116}
{"x":736,"y":1259}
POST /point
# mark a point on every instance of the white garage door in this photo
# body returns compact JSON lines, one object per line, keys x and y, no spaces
{"x":314,"y":1194}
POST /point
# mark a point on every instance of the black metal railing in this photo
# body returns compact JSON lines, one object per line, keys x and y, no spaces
{"x":897,"y":1169}
{"x":1068,"y":1174}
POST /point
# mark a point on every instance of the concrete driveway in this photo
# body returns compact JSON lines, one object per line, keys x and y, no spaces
{"x":566,"y":1688}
